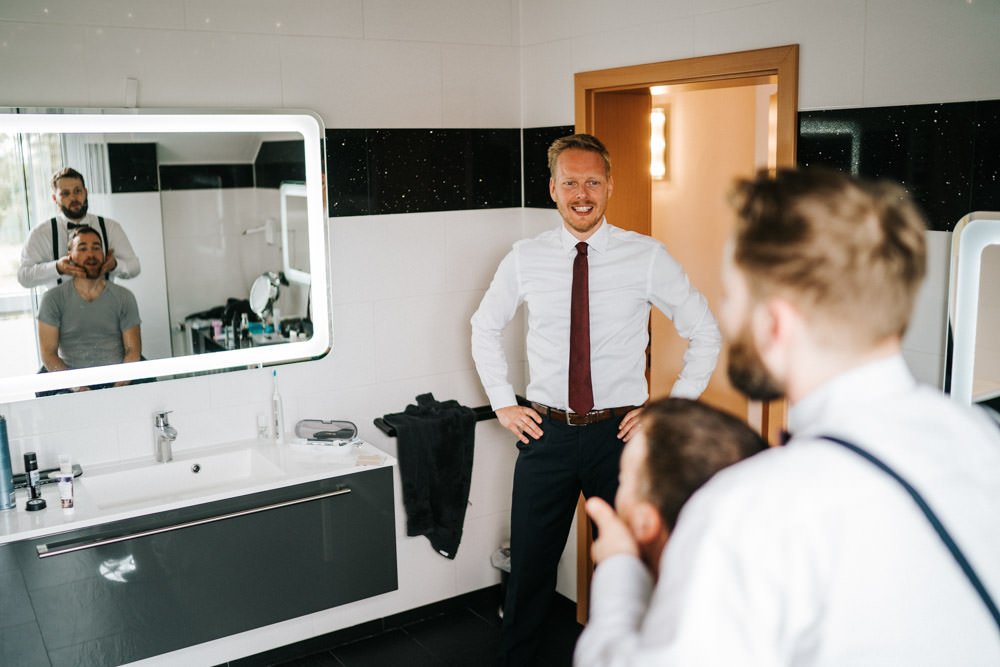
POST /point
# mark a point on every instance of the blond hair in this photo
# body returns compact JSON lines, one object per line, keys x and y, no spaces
{"x":850,"y":254}
{"x":583,"y":142}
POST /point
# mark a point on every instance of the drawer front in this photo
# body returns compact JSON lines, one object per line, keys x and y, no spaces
{"x":137,"y":588}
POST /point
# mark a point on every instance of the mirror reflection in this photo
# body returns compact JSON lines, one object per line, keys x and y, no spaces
{"x":196,"y":210}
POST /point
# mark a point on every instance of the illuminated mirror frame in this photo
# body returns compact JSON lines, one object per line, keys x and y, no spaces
{"x":972,"y":235}
{"x":119,"y":121}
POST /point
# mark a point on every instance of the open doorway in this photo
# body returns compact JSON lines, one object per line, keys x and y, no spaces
{"x":723,"y":116}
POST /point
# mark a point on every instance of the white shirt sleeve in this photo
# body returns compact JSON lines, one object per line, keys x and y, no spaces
{"x":620,"y":595}
{"x":37,"y":266}
{"x":496,"y":310}
{"x":128,"y":262}
{"x":673,"y":294}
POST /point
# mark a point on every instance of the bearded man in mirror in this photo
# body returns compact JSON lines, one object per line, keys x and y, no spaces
{"x":88,"y":321}
{"x":44,"y":259}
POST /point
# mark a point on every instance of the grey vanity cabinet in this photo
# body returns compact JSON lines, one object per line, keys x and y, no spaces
{"x":152,"y":584}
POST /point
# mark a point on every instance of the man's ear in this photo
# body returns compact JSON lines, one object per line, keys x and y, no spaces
{"x":552,"y":189}
{"x":647,"y":524}
{"x":774,"y":321}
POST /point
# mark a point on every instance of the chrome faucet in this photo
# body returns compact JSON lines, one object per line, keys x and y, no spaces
{"x":164,"y":435}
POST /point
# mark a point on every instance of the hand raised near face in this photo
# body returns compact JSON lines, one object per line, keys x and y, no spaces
{"x":65,"y":267}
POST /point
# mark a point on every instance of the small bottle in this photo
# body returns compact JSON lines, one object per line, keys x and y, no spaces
{"x":6,"y":473}
{"x":277,"y":414}
{"x":64,"y":477}
{"x":35,"y":500}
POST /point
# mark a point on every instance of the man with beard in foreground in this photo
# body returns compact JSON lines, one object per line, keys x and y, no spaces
{"x":88,"y":321}
{"x":809,"y":554}
{"x":44,"y":261}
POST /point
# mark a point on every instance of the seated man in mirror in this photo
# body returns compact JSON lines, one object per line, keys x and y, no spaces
{"x":88,"y":321}
{"x":44,"y":261}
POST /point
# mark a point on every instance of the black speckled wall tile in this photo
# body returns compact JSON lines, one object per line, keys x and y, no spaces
{"x":931,"y":149}
{"x":536,"y":163}
{"x":205,"y":176}
{"x":414,"y":170}
{"x":986,"y":158}
{"x":132,"y":167}
{"x":347,"y":172}
{"x":279,"y":161}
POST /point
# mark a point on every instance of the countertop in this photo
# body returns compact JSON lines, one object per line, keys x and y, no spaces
{"x":297,"y":464}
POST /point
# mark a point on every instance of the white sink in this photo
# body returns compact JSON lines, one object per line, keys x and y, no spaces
{"x":179,"y":479}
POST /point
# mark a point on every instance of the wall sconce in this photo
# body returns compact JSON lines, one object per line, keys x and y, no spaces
{"x":658,"y":144}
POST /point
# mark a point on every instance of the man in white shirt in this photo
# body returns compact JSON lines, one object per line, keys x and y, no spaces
{"x":564,"y":451}
{"x":808,"y":554}
{"x":45,"y":258}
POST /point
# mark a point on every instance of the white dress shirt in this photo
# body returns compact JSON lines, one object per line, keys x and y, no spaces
{"x":38,"y":266}
{"x":628,"y":272}
{"x":809,"y":555}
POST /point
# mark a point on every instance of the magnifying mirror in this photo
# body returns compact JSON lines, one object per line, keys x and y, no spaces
{"x":264,"y":292}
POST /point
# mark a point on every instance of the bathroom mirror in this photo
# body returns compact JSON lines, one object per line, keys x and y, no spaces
{"x":199,"y":195}
{"x":974,"y":313}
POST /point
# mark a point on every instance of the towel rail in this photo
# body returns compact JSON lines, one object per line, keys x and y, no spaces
{"x":483,"y":413}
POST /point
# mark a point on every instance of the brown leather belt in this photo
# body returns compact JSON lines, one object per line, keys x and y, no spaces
{"x":592,"y":417}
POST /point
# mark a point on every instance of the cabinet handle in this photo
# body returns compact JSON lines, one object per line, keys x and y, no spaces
{"x":46,"y":550}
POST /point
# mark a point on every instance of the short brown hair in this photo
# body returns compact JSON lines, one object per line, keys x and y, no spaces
{"x":687,"y":442}
{"x":850,"y":254}
{"x":583,"y":142}
{"x":83,"y":229}
{"x":66,"y":172}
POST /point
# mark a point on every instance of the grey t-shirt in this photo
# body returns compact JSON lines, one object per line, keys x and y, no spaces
{"x":90,"y":332}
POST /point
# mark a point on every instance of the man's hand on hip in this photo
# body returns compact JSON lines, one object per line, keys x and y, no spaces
{"x":521,"y":421}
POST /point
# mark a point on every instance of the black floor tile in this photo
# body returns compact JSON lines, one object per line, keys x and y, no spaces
{"x":394,"y":648}
{"x":459,"y":639}
{"x":460,"y":632}
{"x":325,"y":659}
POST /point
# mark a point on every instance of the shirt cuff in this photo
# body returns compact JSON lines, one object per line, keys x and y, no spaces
{"x":501,"y":397}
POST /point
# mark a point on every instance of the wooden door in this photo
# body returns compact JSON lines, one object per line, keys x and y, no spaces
{"x":614,"y":105}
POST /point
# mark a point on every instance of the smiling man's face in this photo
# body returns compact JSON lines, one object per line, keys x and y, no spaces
{"x":581,"y":190}
{"x":85,"y":250}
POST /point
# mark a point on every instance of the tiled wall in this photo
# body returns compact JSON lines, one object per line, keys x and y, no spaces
{"x":946,"y":155}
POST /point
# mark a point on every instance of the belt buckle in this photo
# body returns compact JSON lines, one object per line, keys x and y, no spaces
{"x":570,"y":415}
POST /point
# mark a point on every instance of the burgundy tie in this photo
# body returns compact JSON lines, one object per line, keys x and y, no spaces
{"x":581,"y":393}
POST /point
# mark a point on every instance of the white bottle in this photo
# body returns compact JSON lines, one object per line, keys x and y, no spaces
{"x":277,"y":414}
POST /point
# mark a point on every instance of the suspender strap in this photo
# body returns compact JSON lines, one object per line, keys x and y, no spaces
{"x":104,"y":235}
{"x":104,"y":232}
{"x":55,"y":244}
{"x":935,"y":522}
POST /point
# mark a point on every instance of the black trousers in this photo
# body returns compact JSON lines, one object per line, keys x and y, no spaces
{"x":549,"y":475}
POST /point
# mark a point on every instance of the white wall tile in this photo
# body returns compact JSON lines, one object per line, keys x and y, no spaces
{"x":547,"y":84}
{"x":480,"y":538}
{"x":446,"y":21}
{"x":927,"y":51}
{"x":44,"y":65}
{"x":634,"y":45}
{"x":476,"y":241}
{"x":332,"y":18}
{"x":346,"y":81}
{"x":183,"y":68}
{"x":830,"y":35}
{"x":480,"y":86}
{"x":165,"y":15}
{"x":423,"y":335}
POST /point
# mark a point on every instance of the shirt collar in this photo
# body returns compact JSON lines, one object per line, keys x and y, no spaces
{"x":598,"y":241}
{"x":863,"y":385}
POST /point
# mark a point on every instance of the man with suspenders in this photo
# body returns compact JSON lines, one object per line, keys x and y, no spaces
{"x":44,"y":257}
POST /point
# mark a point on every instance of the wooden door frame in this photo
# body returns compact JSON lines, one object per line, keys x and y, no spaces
{"x":779,"y":61}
